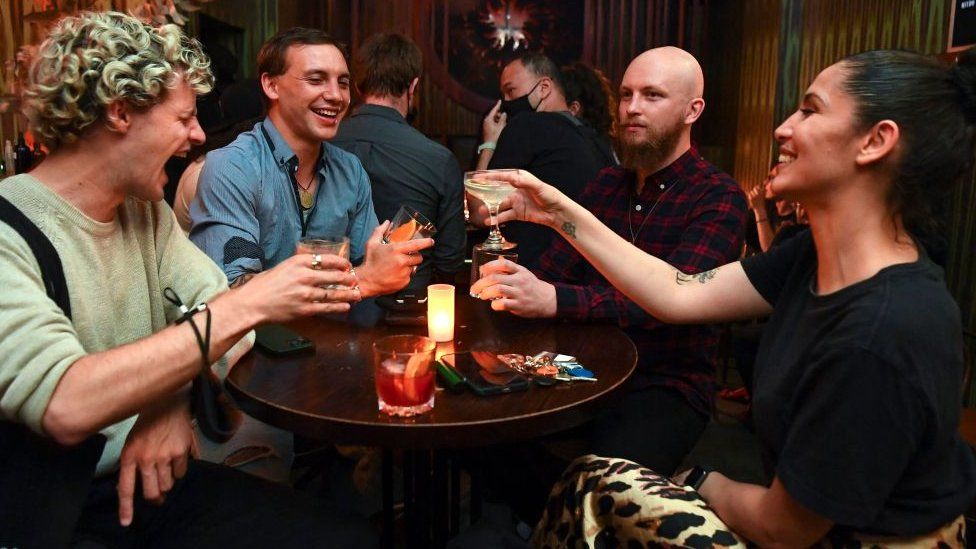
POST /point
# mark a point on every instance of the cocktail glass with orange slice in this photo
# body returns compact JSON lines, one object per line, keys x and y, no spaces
{"x":408,"y":224}
{"x":404,"y":373}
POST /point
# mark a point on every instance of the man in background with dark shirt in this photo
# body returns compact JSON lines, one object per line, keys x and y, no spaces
{"x":673,"y":204}
{"x":404,"y":166}
{"x":533,"y":129}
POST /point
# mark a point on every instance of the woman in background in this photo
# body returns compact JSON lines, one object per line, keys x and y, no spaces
{"x":592,"y":101}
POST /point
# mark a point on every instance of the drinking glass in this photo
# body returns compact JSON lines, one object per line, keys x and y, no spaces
{"x":408,"y":224}
{"x":404,"y":373}
{"x":324,"y":245}
{"x":490,"y":191}
{"x":481,"y":255}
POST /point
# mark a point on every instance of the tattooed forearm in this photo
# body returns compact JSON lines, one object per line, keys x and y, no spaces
{"x":569,"y":229}
{"x":682,"y":278}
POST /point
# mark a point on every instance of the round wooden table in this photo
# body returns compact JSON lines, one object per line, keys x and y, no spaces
{"x":330,"y":395}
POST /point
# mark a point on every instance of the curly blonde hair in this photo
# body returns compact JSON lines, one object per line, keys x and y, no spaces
{"x":92,"y":59}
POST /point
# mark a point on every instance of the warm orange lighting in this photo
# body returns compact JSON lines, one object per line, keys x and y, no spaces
{"x":440,"y":312}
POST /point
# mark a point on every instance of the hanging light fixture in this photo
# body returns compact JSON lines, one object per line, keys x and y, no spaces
{"x":508,"y":21}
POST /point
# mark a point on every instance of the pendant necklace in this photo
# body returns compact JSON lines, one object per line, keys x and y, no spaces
{"x":305,"y":195}
{"x":630,"y":224}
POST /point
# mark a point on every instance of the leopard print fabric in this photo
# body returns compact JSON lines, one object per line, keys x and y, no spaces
{"x":603,"y":502}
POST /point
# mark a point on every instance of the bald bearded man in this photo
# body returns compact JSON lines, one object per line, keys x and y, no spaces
{"x":671,"y":203}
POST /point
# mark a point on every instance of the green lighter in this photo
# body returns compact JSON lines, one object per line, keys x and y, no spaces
{"x":450,"y":378}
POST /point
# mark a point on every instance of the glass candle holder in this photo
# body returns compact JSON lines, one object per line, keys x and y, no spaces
{"x":440,"y":312}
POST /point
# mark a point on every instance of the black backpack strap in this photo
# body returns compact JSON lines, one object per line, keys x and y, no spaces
{"x":44,"y":484}
{"x":51,"y":270}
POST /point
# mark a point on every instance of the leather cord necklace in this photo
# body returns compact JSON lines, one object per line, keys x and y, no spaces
{"x":630,"y":210}
{"x":305,"y":195}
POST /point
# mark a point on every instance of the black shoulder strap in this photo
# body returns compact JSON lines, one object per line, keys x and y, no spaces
{"x":44,"y":484}
{"x":51,"y":270}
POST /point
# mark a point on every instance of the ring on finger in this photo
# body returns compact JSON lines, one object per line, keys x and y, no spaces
{"x":316,"y":261}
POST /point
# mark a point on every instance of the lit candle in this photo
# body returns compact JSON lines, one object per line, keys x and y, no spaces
{"x":440,"y":312}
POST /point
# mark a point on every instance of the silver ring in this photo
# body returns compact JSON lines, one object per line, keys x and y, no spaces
{"x":414,"y":270}
{"x":316,"y":261}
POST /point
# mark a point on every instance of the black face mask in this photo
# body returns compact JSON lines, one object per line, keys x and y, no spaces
{"x":412,"y":108}
{"x":519,"y":104}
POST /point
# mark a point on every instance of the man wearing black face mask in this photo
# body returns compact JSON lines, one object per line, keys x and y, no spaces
{"x":404,"y":166}
{"x":532,"y":128}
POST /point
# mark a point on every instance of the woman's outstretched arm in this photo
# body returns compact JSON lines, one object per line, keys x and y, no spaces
{"x":717,"y":295}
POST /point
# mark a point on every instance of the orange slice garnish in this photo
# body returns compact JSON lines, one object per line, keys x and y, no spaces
{"x":404,"y":232}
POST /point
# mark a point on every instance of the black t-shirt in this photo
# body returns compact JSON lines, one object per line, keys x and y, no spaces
{"x":557,"y":149}
{"x":857,"y":393}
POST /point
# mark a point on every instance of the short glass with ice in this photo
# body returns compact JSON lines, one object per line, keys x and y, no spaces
{"x":403,"y":366}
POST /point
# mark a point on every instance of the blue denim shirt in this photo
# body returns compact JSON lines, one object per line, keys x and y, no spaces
{"x":246,"y":215}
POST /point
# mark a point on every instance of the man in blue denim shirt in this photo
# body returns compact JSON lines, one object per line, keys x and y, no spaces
{"x":281,"y":180}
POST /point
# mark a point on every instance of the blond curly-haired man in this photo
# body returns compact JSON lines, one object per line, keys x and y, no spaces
{"x":113,"y":99}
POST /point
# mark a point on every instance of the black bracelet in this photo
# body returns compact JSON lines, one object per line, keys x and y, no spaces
{"x":696,"y":477}
{"x":203,"y":341}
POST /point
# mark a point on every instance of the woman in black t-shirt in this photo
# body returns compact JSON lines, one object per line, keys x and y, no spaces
{"x":857,"y":395}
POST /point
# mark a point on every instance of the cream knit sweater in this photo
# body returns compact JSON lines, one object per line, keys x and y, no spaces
{"x":116,"y":273}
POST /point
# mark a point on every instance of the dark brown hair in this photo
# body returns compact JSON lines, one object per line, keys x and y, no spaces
{"x":386,"y":64}
{"x":591,"y":88}
{"x":272,"y":59}
{"x":935,"y":109}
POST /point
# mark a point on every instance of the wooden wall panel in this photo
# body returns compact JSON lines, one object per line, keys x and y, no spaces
{"x":833,"y":29}
{"x":757,"y":90}
{"x":440,"y":117}
{"x":961,"y":263}
{"x":258,"y":18}
{"x":618,"y":30}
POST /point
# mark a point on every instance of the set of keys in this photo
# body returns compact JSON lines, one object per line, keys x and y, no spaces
{"x":549,"y":365}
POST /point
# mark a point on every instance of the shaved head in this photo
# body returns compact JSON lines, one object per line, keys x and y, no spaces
{"x":660,"y":99}
{"x":673,"y":66}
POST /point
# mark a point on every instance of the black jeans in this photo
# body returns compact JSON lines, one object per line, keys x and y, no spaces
{"x":653,"y":426}
{"x":216,"y":506}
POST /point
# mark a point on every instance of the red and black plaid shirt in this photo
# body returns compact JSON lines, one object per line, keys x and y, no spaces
{"x":691,"y":215}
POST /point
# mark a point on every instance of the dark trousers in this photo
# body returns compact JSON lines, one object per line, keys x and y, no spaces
{"x":655,"y":427}
{"x":216,"y":506}
{"x":652,"y":426}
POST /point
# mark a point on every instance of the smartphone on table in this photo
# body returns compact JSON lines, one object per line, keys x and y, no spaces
{"x":281,"y":340}
{"x":484,"y":373}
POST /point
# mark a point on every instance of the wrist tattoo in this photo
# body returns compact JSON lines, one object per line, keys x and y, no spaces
{"x":682,"y":278}
{"x":569,"y":229}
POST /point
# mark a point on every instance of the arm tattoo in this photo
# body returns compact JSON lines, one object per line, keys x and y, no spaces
{"x":569,"y":229}
{"x":682,"y":278}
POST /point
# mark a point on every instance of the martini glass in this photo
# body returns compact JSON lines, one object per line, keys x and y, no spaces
{"x":490,"y":191}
